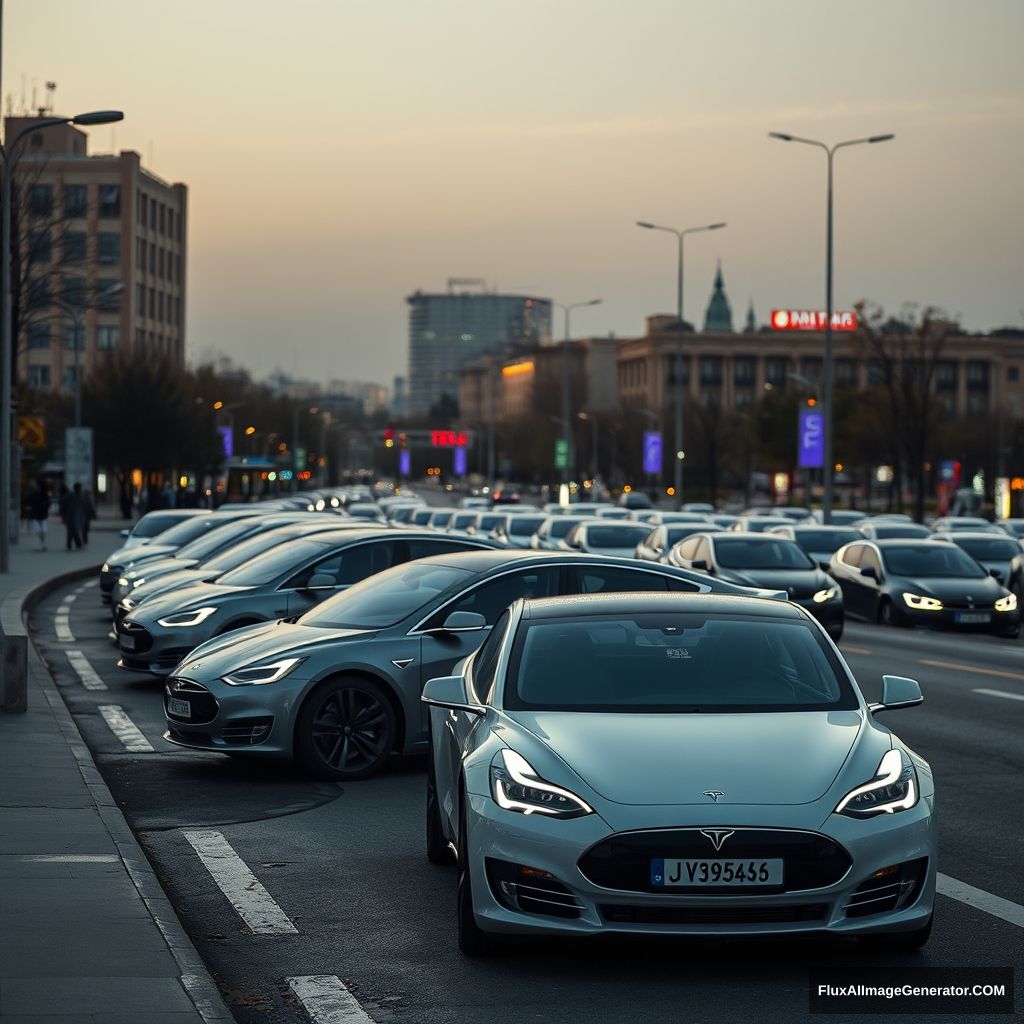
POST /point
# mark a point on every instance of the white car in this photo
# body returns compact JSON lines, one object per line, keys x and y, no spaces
{"x":675,"y":764}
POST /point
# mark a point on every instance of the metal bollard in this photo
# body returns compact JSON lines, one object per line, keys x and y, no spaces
{"x":14,"y":674}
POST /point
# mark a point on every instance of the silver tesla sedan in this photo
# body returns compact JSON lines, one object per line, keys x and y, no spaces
{"x":675,"y":764}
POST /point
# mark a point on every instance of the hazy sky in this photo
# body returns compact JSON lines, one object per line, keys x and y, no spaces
{"x":342,"y":153}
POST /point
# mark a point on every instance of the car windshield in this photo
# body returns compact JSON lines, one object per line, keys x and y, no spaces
{"x":155,"y":523}
{"x":421,"y":516}
{"x":825,"y":541}
{"x":440,"y":518}
{"x":990,"y":549}
{"x":761,"y":554}
{"x":239,"y":554}
{"x":931,"y":560}
{"x":386,"y":598}
{"x":267,"y":567}
{"x":211,"y":542}
{"x":672,"y":662}
{"x":461,"y":520}
{"x":905,"y":530}
{"x":523,"y":526}
{"x":488,"y":521}
{"x":755,"y":525}
{"x":189,"y":529}
{"x":624,"y":536}
{"x":678,"y":533}
{"x":560,"y":526}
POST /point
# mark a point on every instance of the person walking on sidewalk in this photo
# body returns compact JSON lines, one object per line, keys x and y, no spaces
{"x":39,"y":512}
{"x":75,"y":516}
{"x":90,"y":515}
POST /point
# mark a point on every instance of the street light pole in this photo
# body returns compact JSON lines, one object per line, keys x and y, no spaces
{"x":7,"y":157}
{"x":566,"y":432}
{"x":830,"y":152}
{"x":680,"y":233}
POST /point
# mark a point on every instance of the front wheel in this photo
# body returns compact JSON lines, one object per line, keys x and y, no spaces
{"x":345,"y":730}
{"x":887,"y":613}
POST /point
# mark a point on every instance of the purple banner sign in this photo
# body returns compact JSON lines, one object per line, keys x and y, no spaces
{"x":652,"y":451}
{"x":227,"y":439}
{"x":810,"y":445}
{"x":404,"y":462}
{"x":459,"y":462}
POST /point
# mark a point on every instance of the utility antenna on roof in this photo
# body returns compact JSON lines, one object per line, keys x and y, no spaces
{"x":51,"y":89}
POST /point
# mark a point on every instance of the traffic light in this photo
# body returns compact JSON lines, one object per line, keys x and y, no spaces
{"x":812,"y":402}
{"x":389,"y":437}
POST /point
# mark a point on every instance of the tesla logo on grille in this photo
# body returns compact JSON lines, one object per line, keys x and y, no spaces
{"x":970,"y":601}
{"x":713,"y":794}
{"x":717,"y":836}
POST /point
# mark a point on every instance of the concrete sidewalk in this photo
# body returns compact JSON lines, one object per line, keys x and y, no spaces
{"x":86,"y":932}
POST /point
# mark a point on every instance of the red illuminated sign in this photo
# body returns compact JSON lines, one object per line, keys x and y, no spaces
{"x":449,"y":438}
{"x":812,"y":320}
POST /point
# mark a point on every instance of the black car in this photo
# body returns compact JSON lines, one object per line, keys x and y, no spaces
{"x":817,"y":541}
{"x":765,"y":560}
{"x":657,"y":544}
{"x":923,"y":583}
{"x":1002,"y":557}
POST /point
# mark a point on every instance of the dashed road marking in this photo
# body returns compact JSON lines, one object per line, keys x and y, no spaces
{"x":62,"y":627}
{"x":972,"y":668}
{"x":256,"y":907}
{"x":91,"y":583}
{"x":981,"y":900}
{"x":86,"y":673}
{"x":125,"y":729}
{"x":847,"y":649}
{"x":999,"y":693}
{"x":327,"y":1001}
{"x":70,"y":858}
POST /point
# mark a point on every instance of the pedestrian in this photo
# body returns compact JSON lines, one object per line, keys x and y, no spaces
{"x":75,"y":516}
{"x":39,"y":512}
{"x":90,"y":515}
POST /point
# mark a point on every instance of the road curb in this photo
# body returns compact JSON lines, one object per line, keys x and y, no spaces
{"x":194,"y":976}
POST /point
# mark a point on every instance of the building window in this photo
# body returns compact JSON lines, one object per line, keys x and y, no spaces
{"x":110,"y":201}
{"x":140,"y":254}
{"x":74,"y":247}
{"x":152,"y":258}
{"x":108,"y":248}
{"x":177,"y":310}
{"x":108,"y":296}
{"x":68,"y":377}
{"x":877,"y":372}
{"x":1013,"y":374}
{"x":977,"y":376}
{"x":38,"y":376}
{"x":977,"y":405}
{"x":39,"y":334}
{"x":160,"y":263}
{"x":711,"y":370}
{"x":163,"y":219}
{"x":945,"y":376}
{"x":38,"y":293}
{"x":743,"y":371}
{"x":152,"y":303}
{"x":76,"y":200}
{"x":73,"y":334}
{"x":152,"y":213}
{"x":160,"y":306}
{"x":40,"y":249}
{"x":140,"y":299}
{"x":177,"y":261}
{"x":744,"y":399}
{"x":775,"y":371}
{"x":40,"y":200}
{"x":107,"y":337}
{"x":140,"y":338}
{"x":73,"y":291}
{"x":810,"y":367}
{"x":846,"y":373}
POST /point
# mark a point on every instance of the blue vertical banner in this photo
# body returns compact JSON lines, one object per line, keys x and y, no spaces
{"x":227,"y":440}
{"x":652,"y":451}
{"x":810,"y":445}
{"x":459,"y":462}
{"x":404,"y":462}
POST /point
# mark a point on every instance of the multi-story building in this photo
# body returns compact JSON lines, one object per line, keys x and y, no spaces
{"x":450,"y":331}
{"x":99,"y":256}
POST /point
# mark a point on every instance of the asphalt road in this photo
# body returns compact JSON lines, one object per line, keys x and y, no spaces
{"x":345,"y":866}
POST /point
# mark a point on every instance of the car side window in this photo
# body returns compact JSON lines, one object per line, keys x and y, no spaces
{"x":424,"y":547}
{"x":852,"y":555}
{"x":609,"y":579}
{"x":493,"y":596}
{"x":869,"y":558}
{"x":703,"y":550}
{"x":688,"y":547}
{"x":485,"y":662}
{"x":346,"y":567}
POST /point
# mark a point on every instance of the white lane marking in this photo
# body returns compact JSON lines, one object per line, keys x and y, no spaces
{"x":245,"y":893}
{"x":62,"y":627}
{"x":999,"y":693}
{"x":125,"y":729}
{"x":981,"y":900}
{"x":91,"y":583}
{"x":976,"y":669}
{"x":80,"y":663}
{"x":65,"y":606}
{"x":70,"y":858}
{"x":327,"y":1001}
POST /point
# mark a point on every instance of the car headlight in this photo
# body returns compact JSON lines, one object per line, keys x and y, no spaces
{"x":921,"y":603}
{"x":825,"y":595}
{"x":127,"y":604}
{"x":105,"y":567}
{"x":122,"y":581}
{"x":138,"y":582}
{"x":894,"y":788}
{"x":517,"y":787}
{"x":260,"y":675}
{"x":1007,"y":604}
{"x":192,"y":618}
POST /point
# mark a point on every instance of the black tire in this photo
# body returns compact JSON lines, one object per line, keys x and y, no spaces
{"x":888,"y":614}
{"x":901,"y":942}
{"x":473,"y":940}
{"x":345,"y":730}
{"x":438,"y":850}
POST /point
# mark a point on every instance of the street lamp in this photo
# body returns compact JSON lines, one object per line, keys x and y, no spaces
{"x":830,"y":151}
{"x":677,"y":460}
{"x":7,"y":158}
{"x":566,"y":432}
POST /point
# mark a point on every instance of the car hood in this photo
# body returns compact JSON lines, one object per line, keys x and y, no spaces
{"x":798,"y":584}
{"x":163,"y":564}
{"x":175,"y":581}
{"x":261,"y":642}
{"x":764,"y":758}
{"x":950,"y":589}
{"x":128,"y":555}
{"x":196,"y":596}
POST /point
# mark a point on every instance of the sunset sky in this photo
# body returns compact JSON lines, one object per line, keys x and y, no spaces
{"x":341,"y":154}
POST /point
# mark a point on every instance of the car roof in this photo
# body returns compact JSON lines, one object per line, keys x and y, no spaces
{"x":958,"y":535}
{"x":480,"y":561}
{"x":586,"y":605}
{"x":817,"y":528}
{"x":901,"y":542}
{"x":761,"y":538}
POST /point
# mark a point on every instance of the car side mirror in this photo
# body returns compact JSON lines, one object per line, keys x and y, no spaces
{"x":996,"y":575}
{"x":125,"y":533}
{"x":321,"y":581}
{"x":450,"y":692}
{"x":459,"y":622}
{"x":700,"y":565}
{"x":824,"y":566}
{"x":870,"y":572}
{"x":898,"y":692}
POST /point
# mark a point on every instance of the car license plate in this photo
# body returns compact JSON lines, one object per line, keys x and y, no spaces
{"x":181,"y":708}
{"x":973,"y":617}
{"x":669,"y":872}
{"x":127,"y":643}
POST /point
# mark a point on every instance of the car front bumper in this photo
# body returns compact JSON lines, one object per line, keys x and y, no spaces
{"x":581,"y":907}
{"x":963,"y":620}
{"x":155,"y":649}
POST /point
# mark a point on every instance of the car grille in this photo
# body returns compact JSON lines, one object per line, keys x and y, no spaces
{"x":881,"y":895}
{"x":143,"y":637}
{"x":524,"y":889}
{"x":616,"y":913}
{"x":172,"y":656}
{"x":623,"y":861}
{"x":204,"y":704}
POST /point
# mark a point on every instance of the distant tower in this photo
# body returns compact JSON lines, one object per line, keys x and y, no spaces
{"x":719,"y":313}
{"x":751,"y":321}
